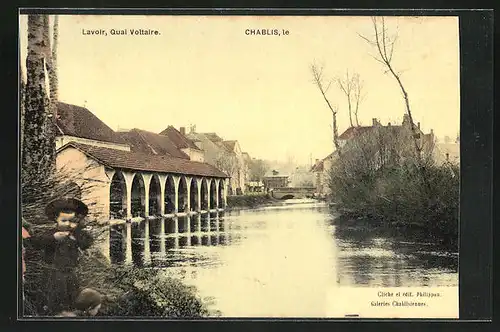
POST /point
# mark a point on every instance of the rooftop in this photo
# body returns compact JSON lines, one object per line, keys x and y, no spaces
{"x":178,"y":139}
{"x":138,"y":161}
{"x":151,"y":143}
{"x":78,"y":121}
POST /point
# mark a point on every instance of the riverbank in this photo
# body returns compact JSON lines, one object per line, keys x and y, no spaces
{"x":350,"y":218}
{"x":128,"y":291}
{"x":251,"y":201}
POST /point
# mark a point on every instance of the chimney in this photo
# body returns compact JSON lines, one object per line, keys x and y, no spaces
{"x":182,"y":130}
{"x":374,"y":121}
{"x":418,"y":125}
{"x":317,"y":161}
{"x":388,"y":124}
{"x":432,"y":132}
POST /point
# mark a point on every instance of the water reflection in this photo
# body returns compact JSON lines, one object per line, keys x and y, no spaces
{"x":391,"y":258}
{"x":246,"y":260}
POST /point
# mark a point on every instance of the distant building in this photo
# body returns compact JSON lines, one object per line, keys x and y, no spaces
{"x":225,"y":155}
{"x":180,"y":140}
{"x":447,"y":152}
{"x":275,"y":180}
{"x":321,"y":170}
{"x":365,"y":138}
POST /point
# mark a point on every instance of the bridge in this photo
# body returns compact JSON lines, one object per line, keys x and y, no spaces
{"x":293,"y":192}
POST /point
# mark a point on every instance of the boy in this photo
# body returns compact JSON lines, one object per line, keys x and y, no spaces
{"x":62,"y":246}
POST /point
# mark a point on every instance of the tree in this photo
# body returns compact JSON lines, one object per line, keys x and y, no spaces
{"x":352,"y":87}
{"x":22,"y":93}
{"x":384,"y":45}
{"x":53,"y":77}
{"x":228,"y":163}
{"x":258,"y":169}
{"x":38,"y":154}
{"x":319,"y":81}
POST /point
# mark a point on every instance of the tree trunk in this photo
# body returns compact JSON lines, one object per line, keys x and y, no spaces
{"x":22,"y":87}
{"x":38,"y":156}
{"x":53,"y":78}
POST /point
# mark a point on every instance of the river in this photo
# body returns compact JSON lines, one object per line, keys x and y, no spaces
{"x":281,"y":261}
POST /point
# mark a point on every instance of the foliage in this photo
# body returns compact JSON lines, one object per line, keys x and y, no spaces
{"x":249,"y":201}
{"x":147,"y":293}
{"x":378,"y":178}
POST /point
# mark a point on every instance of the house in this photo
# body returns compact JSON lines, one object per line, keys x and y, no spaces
{"x":225,"y":155}
{"x":301,"y":177}
{"x":447,"y":151}
{"x":321,"y":170}
{"x":179,"y":139}
{"x":274,"y":180}
{"x":130,"y":174}
{"x":397,"y":142}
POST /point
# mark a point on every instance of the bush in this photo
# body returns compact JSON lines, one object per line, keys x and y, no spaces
{"x":148,"y":293}
{"x":128,"y":291}
{"x":249,"y":201}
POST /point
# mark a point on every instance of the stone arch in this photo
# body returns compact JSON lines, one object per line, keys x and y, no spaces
{"x":154,"y":196}
{"x":138,"y":196}
{"x":169,"y":195}
{"x":204,"y":194}
{"x":193,"y":193}
{"x":118,"y":196}
{"x":288,"y":196}
{"x":213,"y":194}
{"x":182,"y":195}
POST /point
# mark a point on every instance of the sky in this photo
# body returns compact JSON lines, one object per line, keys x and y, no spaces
{"x":204,"y":70}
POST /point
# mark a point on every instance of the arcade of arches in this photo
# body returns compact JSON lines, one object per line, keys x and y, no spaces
{"x":144,"y":195}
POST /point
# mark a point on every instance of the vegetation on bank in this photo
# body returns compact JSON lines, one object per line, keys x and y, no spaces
{"x":251,"y":200}
{"x":396,"y":189}
{"x":384,"y":174}
{"x":128,"y":291}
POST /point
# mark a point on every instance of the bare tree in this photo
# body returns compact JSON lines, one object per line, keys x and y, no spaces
{"x":319,"y":81}
{"x":258,"y":169}
{"x":352,"y":87}
{"x":228,"y":163}
{"x":358,"y":96}
{"x":384,"y":45}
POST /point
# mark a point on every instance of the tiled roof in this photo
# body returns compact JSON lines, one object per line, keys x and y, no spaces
{"x":137,"y":161}
{"x":352,"y":131}
{"x":151,"y":143}
{"x":230,"y":145}
{"x":213,"y":137}
{"x":181,"y":141}
{"x":78,"y":121}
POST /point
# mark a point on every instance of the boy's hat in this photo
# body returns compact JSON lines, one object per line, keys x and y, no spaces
{"x":88,"y":298}
{"x":66,"y":204}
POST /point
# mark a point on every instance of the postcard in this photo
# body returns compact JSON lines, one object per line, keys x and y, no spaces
{"x":189,"y":166}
